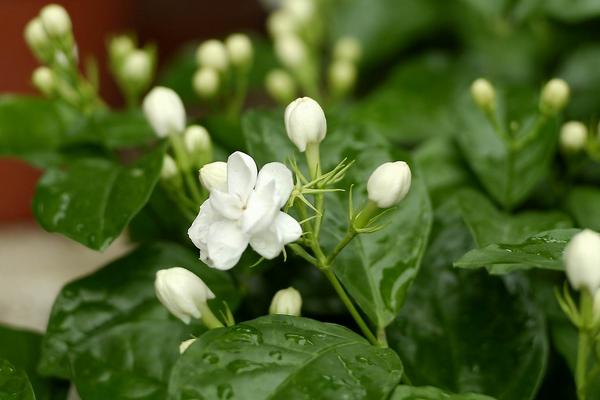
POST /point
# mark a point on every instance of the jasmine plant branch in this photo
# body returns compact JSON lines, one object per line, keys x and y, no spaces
{"x":184,"y":166}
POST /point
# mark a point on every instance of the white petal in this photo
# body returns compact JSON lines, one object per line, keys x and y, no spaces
{"x":287,"y":228}
{"x":198,"y":232}
{"x":261,"y":209}
{"x":266,"y":243}
{"x":284,"y":183}
{"x":228,"y":205}
{"x":226,"y":243}
{"x":241,"y":175}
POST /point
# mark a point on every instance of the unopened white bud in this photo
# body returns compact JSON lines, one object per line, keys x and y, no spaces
{"x":120,"y":47}
{"x":214,"y":176}
{"x":206,"y":82}
{"x":182,"y":292}
{"x":305,"y":122}
{"x":37,"y":38}
{"x":212,"y":54}
{"x":137,"y":69}
{"x":196,"y":139}
{"x":56,"y":20}
{"x":280,"y":85}
{"x":43,"y":80}
{"x":301,"y":11}
{"x":342,"y":76}
{"x":290,"y":50}
{"x":389,"y":184}
{"x":555,"y":96}
{"x":347,"y":48}
{"x":239,"y":49}
{"x":164,"y":111}
{"x":582,"y":260}
{"x":280,"y":23}
{"x":169,"y":168}
{"x":573,"y":136}
{"x":287,"y":302}
{"x":484,"y":94}
{"x":185,"y":344}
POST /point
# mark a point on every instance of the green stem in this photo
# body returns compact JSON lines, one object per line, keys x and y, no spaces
{"x":208,"y":318}
{"x":581,"y":368}
{"x":340,"y":246}
{"x":381,"y":336}
{"x":313,"y":160}
{"x":185,"y":165}
{"x":239,"y":95}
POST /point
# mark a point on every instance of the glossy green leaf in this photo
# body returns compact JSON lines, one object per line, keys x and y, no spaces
{"x":284,"y":357}
{"x":14,"y":384}
{"x":120,"y":293}
{"x":119,"y":129}
{"x":542,"y":250}
{"x":508,"y":173}
{"x":403,"y":392}
{"x":584,"y":205}
{"x":488,"y":225}
{"x":469,"y":332}
{"x":91,"y":200}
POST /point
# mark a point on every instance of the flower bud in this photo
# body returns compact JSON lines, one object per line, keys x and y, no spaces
{"x":573,"y":136}
{"x":555,"y":96}
{"x":342,"y":76}
{"x":37,"y":39}
{"x":239,"y":49}
{"x":280,"y":85}
{"x":280,"y":23}
{"x":137,"y":69}
{"x":301,"y":11}
{"x":181,"y":292}
{"x":206,"y":82}
{"x":484,"y":94}
{"x":305,"y":122}
{"x":164,"y":111}
{"x":389,"y":184}
{"x":198,"y":145}
{"x":290,"y":50}
{"x":43,"y":80}
{"x":582,"y":260}
{"x":214,"y":176}
{"x":286,"y":301}
{"x":120,"y":46}
{"x":185,"y":344}
{"x":169,"y":168}
{"x":55,"y":20}
{"x":347,"y":48}
{"x":212,"y":54}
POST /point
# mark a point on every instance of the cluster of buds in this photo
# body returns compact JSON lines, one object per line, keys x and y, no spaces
{"x":343,"y":68}
{"x":222,"y":66}
{"x":133,"y":67}
{"x":50,"y":37}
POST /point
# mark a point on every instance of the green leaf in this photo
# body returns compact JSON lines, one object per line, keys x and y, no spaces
{"x":120,"y":293}
{"x":119,"y":129}
{"x":469,"y":332}
{"x":431,"y":393}
{"x":14,"y":384}
{"x":543,"y":250}
{"x":572,"y":11}
{"x":581,"y":70}
{"x":508,"y":173}
{"x":91,"y":200}
{"x":488,"y":225}
{"x":284,"y":357}
{"x":583,"y":204}
{"x":34,"y":129}
{"x":266,"y":138}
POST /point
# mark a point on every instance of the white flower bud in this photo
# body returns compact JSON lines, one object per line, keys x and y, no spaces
{"x":212,"y":54}
{"x":239,"y":49}
{"x":280,"y":85}
{"x":305,"y":122}
{"x":181,"y":292}
{"x":286,"y":301}
{"x":120,"y":46}
{"x":555,"y":96}
{"x":43,"y":80}
{"x":573,"y":136}
{"x":164,"y":111}
{"x":280,"y":23}
{"x":214,"y":176}
{"x":348,"y":49}
{"x":290,"y":50}
{"x":37,"y":38}
{"x":301,"y":11}
{"x":196,"y":138}
{"x":185,"y":344}
{"x":169,"y":168}
{"x":484,"y":94}
{"x":56,"y":20}
{"x":342,"y":76}
{"x":206,"y":82}
{"x":389,"y":184}
{"x":582,"y":260}
{"x":137,"y":69}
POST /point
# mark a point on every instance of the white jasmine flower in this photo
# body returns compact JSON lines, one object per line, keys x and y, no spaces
{"x":196,"y":138}
{"x":137,"y":68}
{"x":36,"y":36}
{"x":214,"y":176}
{"x":582,"y":259}
{"x":185,"y":344}
{"x":56,"y":20}
{"x":305,"y":122}
{"x":573,"y":136}
{"x":389,"y":184}
{"x":43,"y":80}
{"x":206,"y":82}
{"x":555,"y":95}
{"x":483,"y":93}
{"x":212,"y":54}
{"x":246,"y":213}
{"x":239,"y":48}
{"x":182,"y":292}
{"x":286,"y":301}
{"x":164,"y":111}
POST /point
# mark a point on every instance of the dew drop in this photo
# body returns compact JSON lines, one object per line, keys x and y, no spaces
{"x":298,"y":339}
{"x":224,"y":391}
{"x":276,"y":354}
